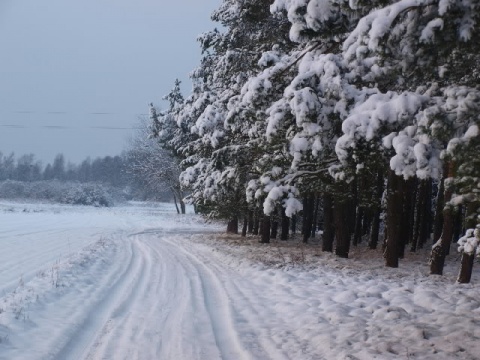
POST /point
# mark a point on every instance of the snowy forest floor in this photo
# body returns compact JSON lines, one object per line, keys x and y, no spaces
{"x":140,"y":282}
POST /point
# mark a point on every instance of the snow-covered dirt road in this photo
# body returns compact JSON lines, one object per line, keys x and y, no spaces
{"x":117,"y":284}
{"x":140,"y":282}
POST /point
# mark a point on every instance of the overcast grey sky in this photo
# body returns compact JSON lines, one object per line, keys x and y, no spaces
{"x":70,"y":69}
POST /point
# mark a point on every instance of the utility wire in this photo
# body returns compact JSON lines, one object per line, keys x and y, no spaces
{"x":67,"y":113}
{"x":61,"y":127}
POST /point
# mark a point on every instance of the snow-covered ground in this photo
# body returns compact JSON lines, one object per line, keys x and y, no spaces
{"x":140,"y":282}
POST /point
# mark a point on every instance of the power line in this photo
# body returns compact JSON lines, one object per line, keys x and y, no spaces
{"x":61,"y":127}
{"x":98,"y":113}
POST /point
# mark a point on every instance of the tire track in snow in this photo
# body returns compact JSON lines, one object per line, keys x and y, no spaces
{"x":171,"y":301}
{"x":255,"y":333}
{"x":211,"y":298}
{"x":177,"y":310}
{"x":128,"y":322}
{"x":100,"y":306}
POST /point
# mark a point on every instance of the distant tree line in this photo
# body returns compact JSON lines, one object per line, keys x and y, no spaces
{"x":361,"y":116}
{"x":108,"y":170}
{"x":25,"y":176}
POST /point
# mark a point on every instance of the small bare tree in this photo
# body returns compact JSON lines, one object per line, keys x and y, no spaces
{"x":153,"y":166}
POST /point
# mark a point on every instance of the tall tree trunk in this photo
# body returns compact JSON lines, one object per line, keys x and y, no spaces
{"x":367,"y":221}
{"x":304,"y":213}
{"x":419,"y":204}
{"x":426,"y":223}
{"x":374,"y":235}
{"x":410,"y":195}
{"x":308,"y":211}
{"x":256,"y":223}
{"x":182,"y":205}
{"x":420,"y":225}
{"x":407,"y":190}
{"x":315,"y":216}
{"x":274,"y":228}
{"x":328,"y":223}
{"x":428,"y":209}
{"x":293,"y":222}
{"x":250,"y":222}
{"x":176,"y":204}
{"x":394,"y":219}
{"x":458,"y":223}
{"x":377,"y":211}
{"x":466,"y":267}
{"x":357,"y":234}
{"x":439,"y":250}
{"x":178,"y":197}
{"x":353,"y":206}
{"x":232,"y":226}
{"x":245,"y":226}
{"x":285,"y":225}
{"x":265,"y":229}
{"x":341,"y":215}
{"x":438,"y":221}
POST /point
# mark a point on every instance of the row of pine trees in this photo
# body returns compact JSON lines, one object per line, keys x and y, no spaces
{"x":357,"y":118}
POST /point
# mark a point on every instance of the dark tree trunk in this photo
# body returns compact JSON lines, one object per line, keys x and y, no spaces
{"x":315,"y":216}
{"x":265,"y":229}
{"x":304,"y":214}
{"x":367,"y":221}
{"x":439,"y":250}
{"x":457,"y":226}
{"x":357,"y":235}
{"x":274,"y":230}
{"x":182,"y":205}
{"x":328,"y":223}
{"x":256,"y":223}
{"x":377,"y":211}
{"x":407,"y":190}
{"x":341,"y":215}
{"x":250,"y":222}
{"x":410,"y":195}
{"x":394,"y":219}
{"x":294,"y":224}
{"x":428,"y":210}
{"x":373,"y":243}
{"x":426,"y":222}
{"x":245,"y":226}
{"x":421,"y":222}
{"x":285,"y":225}
{"x":438,"y":221}
{"x":352,"y":207}
{"x":175,"y":202}
{"x":308,"y":210}
{"x":364,"y":213}
{"x":419,"y":206}
{"x":466,"y":268}
{"x":232,"y":226}
{"x":385,"y":236}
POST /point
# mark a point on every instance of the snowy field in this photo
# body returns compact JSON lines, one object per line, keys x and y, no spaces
{"x":140,"y":282}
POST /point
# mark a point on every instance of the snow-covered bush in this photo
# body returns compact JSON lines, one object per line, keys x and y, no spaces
{"x":62,"y":192}
{"x":469,"y":243}
{"x":11,"y":189}
{"x":88,"y":194}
